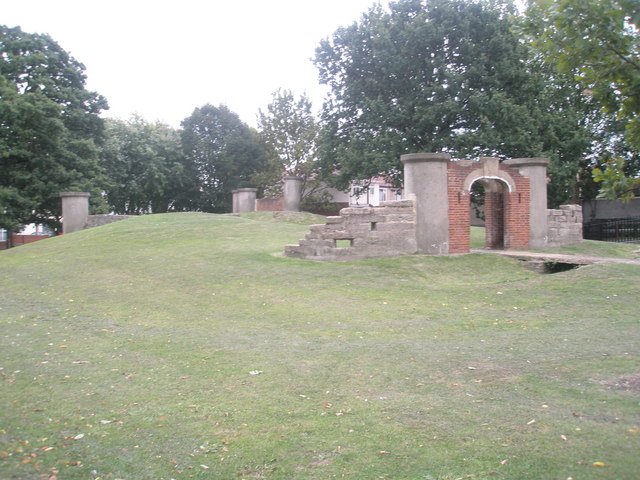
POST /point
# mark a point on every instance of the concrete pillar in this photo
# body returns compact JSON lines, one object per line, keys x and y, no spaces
{"x":292,"y":193}
{"x":234,"y":201}
{"x":425,"y":176}
{"x":535,"y":169}
{"x":75,"y":211}
{"x":246,"y":200}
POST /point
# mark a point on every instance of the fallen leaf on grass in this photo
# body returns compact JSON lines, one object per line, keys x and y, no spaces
{"x":384,"y":452}
{"x":598,"y":464}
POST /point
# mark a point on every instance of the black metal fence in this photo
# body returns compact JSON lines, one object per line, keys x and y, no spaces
{"x":613,"y":230}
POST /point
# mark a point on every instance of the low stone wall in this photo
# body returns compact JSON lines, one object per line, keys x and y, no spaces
{"x":387,"y":230}
{"x":564,"y":226}
{"x":99,"y":220}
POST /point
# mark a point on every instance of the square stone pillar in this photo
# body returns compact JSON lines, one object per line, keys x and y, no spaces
{"x":292,"y":193}
{"x":425,"y":176}
{"x":75,"y":211}
{"x":535,"y":169}
{"x":244,"y":200}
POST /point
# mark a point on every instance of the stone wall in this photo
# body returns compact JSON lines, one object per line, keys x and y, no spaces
{"x":387,"y":230}
{"x":564,"y":226}
{"x":99,"y":220}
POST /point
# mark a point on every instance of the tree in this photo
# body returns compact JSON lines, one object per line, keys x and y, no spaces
{"x":443,"y":75}
{"x":145,"y":168}
{"x":599,"y":42}
{"x":290,"y":130}
{"x":225,"y":153}
{"x":49,"y":127}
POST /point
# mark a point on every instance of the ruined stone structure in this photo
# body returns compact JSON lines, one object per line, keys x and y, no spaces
{"x":564,"y":225}
{"x":436,"y":213}
{"x":383,"y":231}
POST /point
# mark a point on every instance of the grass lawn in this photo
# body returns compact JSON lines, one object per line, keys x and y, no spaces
{"x":186,"y":346}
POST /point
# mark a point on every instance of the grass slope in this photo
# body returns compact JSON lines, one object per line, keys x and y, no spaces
{"x":186,"y":346}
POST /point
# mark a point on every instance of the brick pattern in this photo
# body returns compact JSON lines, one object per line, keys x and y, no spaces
{"x":19,"y":239}
{"x":270,"y":204}
{"x":494,"y":219}
{"x":507,"y":220}
{"x":564,"y":225}
{"x":387,"y":230}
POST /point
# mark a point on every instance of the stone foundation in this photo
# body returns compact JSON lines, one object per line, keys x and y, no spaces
{"x":387,"y":230}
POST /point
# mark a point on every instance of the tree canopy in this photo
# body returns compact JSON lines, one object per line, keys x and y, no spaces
{"x":146,"y":170}
{"x":290,"y":130}
{"x":598,"y":41}
{"x":444,"y":75}
{"x":225,"y":153}
{"x":49,"y":129}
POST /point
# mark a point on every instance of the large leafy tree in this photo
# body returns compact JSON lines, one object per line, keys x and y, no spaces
{"x":598,"y":41}
{"x":225,"y":152}
{"x":145,"y":168}
{"x":290,"y":130}
{"x":442,"y":75}
{"x":49,"y":127}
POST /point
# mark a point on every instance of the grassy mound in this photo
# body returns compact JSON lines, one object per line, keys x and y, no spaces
{"x":186,"y":346}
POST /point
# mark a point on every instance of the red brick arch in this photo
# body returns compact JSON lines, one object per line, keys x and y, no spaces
{"x":507,"y":204}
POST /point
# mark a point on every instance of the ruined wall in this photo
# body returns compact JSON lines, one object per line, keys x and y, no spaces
{"x":268,"y":204}
{"x":387,"y":230}
{"x":564,"y":225}
{"x":99,"y":220}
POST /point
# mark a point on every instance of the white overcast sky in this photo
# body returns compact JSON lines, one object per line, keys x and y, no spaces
{"x":162,"y":59}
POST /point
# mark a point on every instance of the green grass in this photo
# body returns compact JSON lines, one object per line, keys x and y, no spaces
{"x":186,"y":346}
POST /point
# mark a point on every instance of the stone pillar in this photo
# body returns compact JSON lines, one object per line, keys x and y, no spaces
{"x":246,"y":200}
{"x":535,"y":169}
{"x":292,"y":193}
{"x":425,"y":177}
{"x":234,"y":201}
{"x":75,"y":211}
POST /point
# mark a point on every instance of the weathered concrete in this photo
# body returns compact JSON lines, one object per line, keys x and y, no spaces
{"x":535,"y":169}
{"x":75,"y":211}
{"x":425,"y":178}
{"x":292,"y":190}
{"x":244,"y":200}
{"x":602,"y":208}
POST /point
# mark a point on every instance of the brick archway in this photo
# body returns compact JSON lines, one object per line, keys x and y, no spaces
{"x":442,"y":190}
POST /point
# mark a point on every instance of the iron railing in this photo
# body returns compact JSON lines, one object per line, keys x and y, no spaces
{"x":613,"y":230}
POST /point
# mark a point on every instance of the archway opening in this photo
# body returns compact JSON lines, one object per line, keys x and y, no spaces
{"x":487,"y":207}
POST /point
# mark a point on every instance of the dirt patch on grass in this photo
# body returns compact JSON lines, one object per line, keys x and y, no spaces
{"x":629,"y":383}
